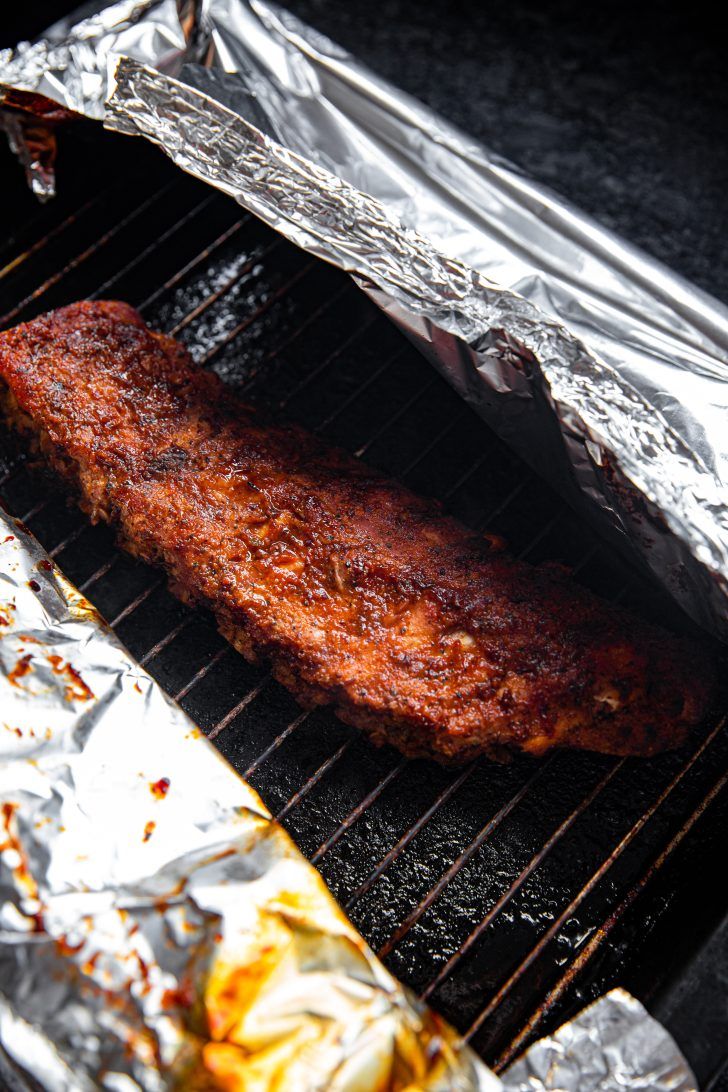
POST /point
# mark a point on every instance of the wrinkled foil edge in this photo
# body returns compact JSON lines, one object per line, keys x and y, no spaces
{"x":72,"y":66}
{"x":612,"y":1045}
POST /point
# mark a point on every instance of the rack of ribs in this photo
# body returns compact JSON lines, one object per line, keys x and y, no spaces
{"x":358,"y":593}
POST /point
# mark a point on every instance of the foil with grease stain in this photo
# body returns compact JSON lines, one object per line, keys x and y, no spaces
{"x":157,"y":928}
{"x":605,"y":370}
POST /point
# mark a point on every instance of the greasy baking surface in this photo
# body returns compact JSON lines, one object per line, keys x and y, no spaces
{"x":359,"y":593}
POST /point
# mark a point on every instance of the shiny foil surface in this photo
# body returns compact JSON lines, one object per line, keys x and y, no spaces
{"x":157,"y":928}
{"x":70,"y":68}
{"x":611,"y":1045}
{"x":70,"y":65}
{"x":605,"y":370}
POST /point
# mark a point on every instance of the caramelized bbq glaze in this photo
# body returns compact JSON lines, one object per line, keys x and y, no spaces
{"x":360,"y":594}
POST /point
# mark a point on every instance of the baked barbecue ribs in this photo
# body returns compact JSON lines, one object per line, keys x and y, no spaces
{"x":361,"y":595}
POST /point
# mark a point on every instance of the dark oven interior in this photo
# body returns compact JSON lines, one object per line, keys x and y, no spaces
{"x":507,"y":895}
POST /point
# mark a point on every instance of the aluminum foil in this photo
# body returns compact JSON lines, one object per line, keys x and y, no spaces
{"x":157,"y":928}
{"x":610,"y":1046}
{"x":608,"y":372}
{"x":70,"y":66}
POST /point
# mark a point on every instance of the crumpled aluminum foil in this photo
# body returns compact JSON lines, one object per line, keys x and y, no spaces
{"x":611,"y":1045}
{"x":608,"y":372}
{"x":157,"y":928}
{"x":70,"y":66}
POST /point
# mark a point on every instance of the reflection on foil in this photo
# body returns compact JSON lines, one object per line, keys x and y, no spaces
{"x":71,"y":65}
{"x":157,"y":928}
{"x":631,"y":428}
{"x":612,"y":1046}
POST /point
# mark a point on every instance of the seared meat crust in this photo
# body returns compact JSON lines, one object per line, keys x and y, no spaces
{"x":360,"y":594}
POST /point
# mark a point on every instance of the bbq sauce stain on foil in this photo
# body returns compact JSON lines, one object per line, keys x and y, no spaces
{"x":160,"y":788}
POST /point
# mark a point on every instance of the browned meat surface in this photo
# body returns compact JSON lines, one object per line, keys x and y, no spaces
{"x":360,"y":594}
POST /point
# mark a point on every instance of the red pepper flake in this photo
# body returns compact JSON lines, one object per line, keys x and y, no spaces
{"x":149,"y":830}
{"x":45,"y":565}
{"x":9,"y":538}
{"x":34,"y":585}
{"x":159,"y":788}
{"x":21,"y":668}
{"x":77,"y":690}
